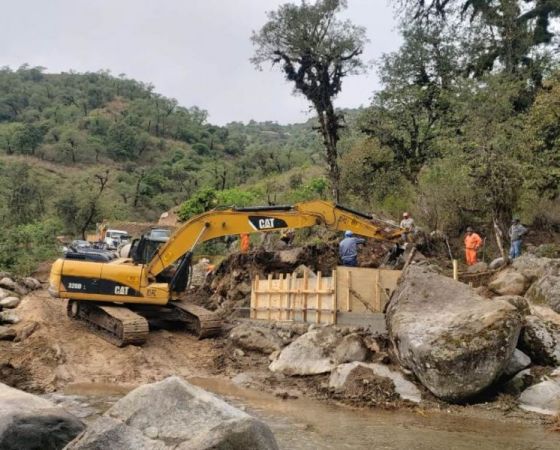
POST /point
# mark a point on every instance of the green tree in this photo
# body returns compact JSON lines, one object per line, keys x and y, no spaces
{"x":315,"y":50}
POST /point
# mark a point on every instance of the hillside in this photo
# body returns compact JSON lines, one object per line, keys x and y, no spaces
{"x":78,"y":148}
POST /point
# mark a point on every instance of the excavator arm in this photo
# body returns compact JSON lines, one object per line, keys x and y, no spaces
{"x":218,"y":223}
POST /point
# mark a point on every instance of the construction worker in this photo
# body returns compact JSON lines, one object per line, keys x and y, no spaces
{"x":407,"y":223}
{"x":516,"y":232}
{"x":472,"y":243}
{"x":244,"y":243}
{"x":348,"y":249}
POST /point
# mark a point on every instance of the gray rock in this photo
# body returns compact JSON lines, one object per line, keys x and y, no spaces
{"x":351,"y":348}
{"x":542,"y":398}
{"x":533,"y":267}
{"x":9,"y":302}
{"x":406,"y":390}
{"x":496,"y":263}
{"x":254,"y":338}
{"x":8,"y":283}
{"x":290,"y":256}
{"x":545,"y":291}
{"x":519,"y":382}
{"x":20,"y":289}
{"x":456,"y":342}
{"x":172,"y":414}
{"x":480,"y":266}
{"x":517,"y":363}
{"x":31,"y":422}
{"x":7,"y":334}
{"x":509,"y":282}
{"x":4,"y":293}
{"x":31,"y":283}
{"x":520,"y":303}
{"x":540,"y":338}
{"x":300,"y":270}
{"x":309,"y":354}
{"x":8,"y":317}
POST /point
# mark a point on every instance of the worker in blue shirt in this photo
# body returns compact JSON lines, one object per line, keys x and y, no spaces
{"x":348,"y":249}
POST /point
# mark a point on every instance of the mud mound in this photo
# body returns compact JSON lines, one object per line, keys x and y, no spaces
{"x":229,"y":287}
{"x":364,"y":387}
{"x":62,"y":351}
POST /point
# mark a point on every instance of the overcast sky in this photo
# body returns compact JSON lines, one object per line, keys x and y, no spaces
{"x":196,"y":51}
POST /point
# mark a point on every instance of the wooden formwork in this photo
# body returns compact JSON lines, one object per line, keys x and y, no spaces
{"x":319,"y":299}
{"x":289,"y":298}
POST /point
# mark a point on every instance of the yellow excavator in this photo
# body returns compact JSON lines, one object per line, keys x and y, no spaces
{"x":115,"y":299}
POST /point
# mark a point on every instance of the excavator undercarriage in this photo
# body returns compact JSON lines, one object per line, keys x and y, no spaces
{"x":122,"y":326}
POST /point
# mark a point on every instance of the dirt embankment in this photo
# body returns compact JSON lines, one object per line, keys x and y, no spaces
{"x":62,"y":351}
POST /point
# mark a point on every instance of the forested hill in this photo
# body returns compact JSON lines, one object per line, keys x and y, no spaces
{"x":77,"y":148}
{"x":157,"y":152}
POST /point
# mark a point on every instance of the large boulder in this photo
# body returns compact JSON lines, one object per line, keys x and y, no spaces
{"x":28,"y":422}
{"x":540,"y":338}
{"x":251,"y":337}
{"x":545,"y":291}
{"x":173,"y":414}
{"x":319,"y":350}
{"x":456,"y":342}
{"x":350,"y":378}
{"x":533,"y":267}
{"x":542,"y":398}
{"x":509,"y":282}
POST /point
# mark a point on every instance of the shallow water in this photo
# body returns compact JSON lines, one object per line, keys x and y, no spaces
{"x":309,"y":424}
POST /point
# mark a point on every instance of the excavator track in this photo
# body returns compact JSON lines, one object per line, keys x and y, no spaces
{"x":116,"y":324}
{"x":198,"y":320}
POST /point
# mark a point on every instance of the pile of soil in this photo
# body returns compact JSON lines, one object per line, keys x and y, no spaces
{"x":229,"y":286}
{"x":62,"y":351}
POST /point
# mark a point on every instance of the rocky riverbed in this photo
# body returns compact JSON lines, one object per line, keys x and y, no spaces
{"x":490,"y":352}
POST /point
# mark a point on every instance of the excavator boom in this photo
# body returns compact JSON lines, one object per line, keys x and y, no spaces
{"x":235,"y":221}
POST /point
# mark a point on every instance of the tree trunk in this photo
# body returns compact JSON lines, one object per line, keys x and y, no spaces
{"x":499,"y":239}
{"x":329,"y":129}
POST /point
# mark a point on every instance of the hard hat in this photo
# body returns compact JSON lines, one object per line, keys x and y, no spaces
{"x":348,"y":233}
{"x":469,"y":229}
{"x":405,"y":214}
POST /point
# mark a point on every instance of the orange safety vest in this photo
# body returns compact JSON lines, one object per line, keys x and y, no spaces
{"x":473,"y":241}
{"x":244,"y":243}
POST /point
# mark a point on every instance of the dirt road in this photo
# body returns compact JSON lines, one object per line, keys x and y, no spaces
{"x":62,"y":351}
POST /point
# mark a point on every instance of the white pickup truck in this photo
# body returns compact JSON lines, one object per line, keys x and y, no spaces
{"x":114,"y":238}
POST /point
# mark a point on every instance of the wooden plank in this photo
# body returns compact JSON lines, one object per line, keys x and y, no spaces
{"x":334,"y":297}
{"x":269,"y":285}
{"x":254,"y":297}
{"x":318,"y":298}
{"x":348,"y":297}
{"x":373,"y":285}
{"x":376,"y":289}
{"x":304,"y":303}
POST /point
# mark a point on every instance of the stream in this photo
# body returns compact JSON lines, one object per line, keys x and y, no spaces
{"x":309,"y":424}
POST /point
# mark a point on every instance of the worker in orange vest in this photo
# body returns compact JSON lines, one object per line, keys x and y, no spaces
{"x":472,"y":243}
{"x":244,"y":243}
